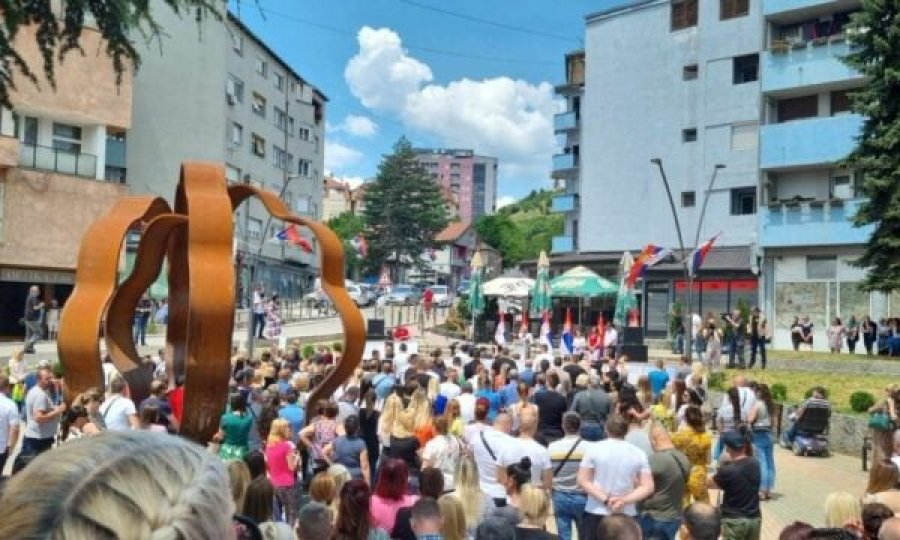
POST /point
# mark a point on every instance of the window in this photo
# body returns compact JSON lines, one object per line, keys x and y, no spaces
{"x":237,"y":43}
{"x":301,"y":204}
{"x":262,"y":67}
{"x":280,"y":118}
{"x":237,"y":134}
{"x":291,"y":126}
{"x":689,"y":135}
{"x":67,"y":138}
{"x":254,"y":228}
{"x":259,"y":105}
{"x":799,"y":107}
{"x":840,"y":102}
{"x":30,"y":127}
{"x":743,"y":201}
{"x":257,"y":145}
{"x":232,"y":174}
{"x":454,"y":166}
{"x":744,"y":136}
{"x":303,"y":167}
{"x":729,"y":9}
{"x":279,"y":157}
{"x":690,"y":72}
{"x":821,"y":267}
{"x":684,"y":14}
{"x":842,"y":183}
{"x":234,"y":90}
{"x":290,"y":162}
{"x":688,"y":198}
{"x":303,"y":133}
{"x":278,"y":80}
{"x":746,"y":68}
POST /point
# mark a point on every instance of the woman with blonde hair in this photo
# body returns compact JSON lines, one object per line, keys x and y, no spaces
{"x":534,"y":507}
{"x":419,"y":417}
{"x":453,"y":416}
{"x":238,"y":480}
{"x":125,"y":484}
{"x":882,"y":439}
{"x":454,"y":527}
{"x":843,"y":510}
{"x":475,"y":504}
{"x":884,"y":485}
{"x":390,"y":413}
{"x":281,"y":462}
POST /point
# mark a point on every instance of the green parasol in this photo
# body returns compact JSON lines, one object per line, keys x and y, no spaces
{"x":581,"y":282}
{"x":540,"y":292}
{"x":476,"y":294}
{"x":625,"y":300}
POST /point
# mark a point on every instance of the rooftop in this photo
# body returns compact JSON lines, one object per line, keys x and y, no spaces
{"x":453,"y":231}
{"x":617,"y":7}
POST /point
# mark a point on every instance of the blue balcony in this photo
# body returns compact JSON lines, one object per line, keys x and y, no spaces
{"x":777,"y":7}
{"x":564,"y":203}
{"x":813,"y":64}
{"x":564,"y":163}
{"x":565,"y":121}
{"x":812,"y":224}
{"x":809,"y":141}
{"x":562,"y":244}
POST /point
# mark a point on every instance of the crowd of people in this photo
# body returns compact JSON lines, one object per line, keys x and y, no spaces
{"x":468,"y":443}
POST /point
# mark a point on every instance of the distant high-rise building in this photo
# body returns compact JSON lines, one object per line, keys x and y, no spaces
{"x":472,"y":177}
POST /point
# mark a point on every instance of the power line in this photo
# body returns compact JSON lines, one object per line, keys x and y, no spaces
{"x":431,"y":50}
{"x":497,"y":24}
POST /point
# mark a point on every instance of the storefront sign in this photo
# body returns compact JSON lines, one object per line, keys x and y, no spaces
{"x":719,"y":285}
{"x":30,"y":275}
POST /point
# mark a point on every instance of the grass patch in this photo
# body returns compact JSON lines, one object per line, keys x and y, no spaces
{"x":840,"y":386}
{"x":820,"y":356}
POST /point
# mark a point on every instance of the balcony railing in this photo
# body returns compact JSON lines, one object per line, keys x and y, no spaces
{"x":788,"y":66}
{"x":808,"y":141}
{"x":562,"y":244}
{"x":564,"y":203}
{"x":47,"y":158}
{"x":563,"y":162}
{"x":811,"y":223}
{"x":565,"y":121}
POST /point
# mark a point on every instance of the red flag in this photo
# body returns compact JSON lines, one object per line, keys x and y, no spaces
{"x":294,"y":237}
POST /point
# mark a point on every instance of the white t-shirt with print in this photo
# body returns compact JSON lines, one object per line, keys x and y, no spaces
{"x":538,"y":454}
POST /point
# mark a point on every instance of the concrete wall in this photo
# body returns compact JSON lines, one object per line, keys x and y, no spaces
{"x":45,"y":215}
{"x":635,"y":106}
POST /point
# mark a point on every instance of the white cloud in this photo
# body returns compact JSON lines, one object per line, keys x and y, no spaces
{"x":505,"y":200}
{"x":359,"y":126}
{"x":339,"y":156}
{"x":502,"y":117}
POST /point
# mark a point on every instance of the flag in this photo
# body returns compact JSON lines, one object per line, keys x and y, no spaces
{"x":649,"y":256}
{"x":566,"y":342}
{"x":500,"y":334}
{"x":546,"y":332}
{"x":601,"y":331}
{"x":699,"y":255}
{"x":360,"y":244}
{"x":524,"y":327}
{"x":291,"y":235}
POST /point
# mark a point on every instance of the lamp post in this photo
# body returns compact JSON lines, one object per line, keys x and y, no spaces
{"x":689,"y":277}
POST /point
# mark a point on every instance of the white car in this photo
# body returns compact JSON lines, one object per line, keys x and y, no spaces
{"x":442,"y":296}
{"x":359,"y":295}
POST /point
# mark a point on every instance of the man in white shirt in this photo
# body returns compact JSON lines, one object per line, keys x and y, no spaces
{"x":401,"y":362}
{"x":525,"y":445}
{"x":615,"y":475}
{"x":41,"y":416}
{"x":611,"y":339}
{"x":9,"y":422}
{"x":466,"y":400}
{"x":487,"y":447}
{"x":697,"y":344}
{"x":259,"y":312}
{"x":449,"y":388}
{"x":118,"y":411}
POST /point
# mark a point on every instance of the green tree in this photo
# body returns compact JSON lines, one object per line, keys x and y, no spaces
{"x":501,"y":233}
{"x":876,"y":55}
{"x":59,"y":32}
{"x":523,"y":229}
{"x":404,"y":211}
{"x":347,"y":226}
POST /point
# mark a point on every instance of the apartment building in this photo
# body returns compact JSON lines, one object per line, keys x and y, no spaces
{"x":61,"y":166}
{"x":808,"y":197}
{"x":678,"y":81}
{"x":566,"y":165}
{"x":214,"y":91}
{"x":471,"y":177}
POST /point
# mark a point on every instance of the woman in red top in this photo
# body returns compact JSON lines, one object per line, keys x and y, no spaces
{"x":281,"y":462}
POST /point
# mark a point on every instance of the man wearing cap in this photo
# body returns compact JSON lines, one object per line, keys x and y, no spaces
{"x":758,"y":330}
{"x":738,"y":477}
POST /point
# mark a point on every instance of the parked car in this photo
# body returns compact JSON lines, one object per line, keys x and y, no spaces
{"x":407,"y":295}
{"x":463,"y":288}
{"x":359,"y":295}
{"x":442,"y":296}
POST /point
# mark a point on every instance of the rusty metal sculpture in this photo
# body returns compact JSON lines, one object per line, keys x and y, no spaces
{"x":196,"y":237}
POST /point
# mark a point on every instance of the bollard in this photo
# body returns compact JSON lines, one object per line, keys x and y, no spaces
{"x":866,"y":446}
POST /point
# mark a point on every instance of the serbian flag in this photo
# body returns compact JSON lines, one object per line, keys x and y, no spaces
{"x":699,"y":254}
{"x":360,"y":245}
{"x":293,"y":236}
{"x":649,"y":256}
{"x":566,"y":342}
{"x":500,"y":333}
{"x":546,"y":332}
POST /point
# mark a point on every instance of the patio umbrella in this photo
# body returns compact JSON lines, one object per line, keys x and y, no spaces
{"x":581,"y":282}
{"x":625,"y":300}
{"x":512,"y":287}
{"x":540,"y":291}
{"x":476,"y":295}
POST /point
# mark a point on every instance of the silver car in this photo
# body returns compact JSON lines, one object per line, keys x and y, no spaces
{"x":359,"y":295}
{"x":405,"y":295}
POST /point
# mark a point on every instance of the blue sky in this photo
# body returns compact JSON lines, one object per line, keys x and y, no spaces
{"x":392,"y":67}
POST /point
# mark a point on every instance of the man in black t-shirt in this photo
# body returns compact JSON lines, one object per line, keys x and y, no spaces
{"x":551,"y":408}
{"x":739,"y":479}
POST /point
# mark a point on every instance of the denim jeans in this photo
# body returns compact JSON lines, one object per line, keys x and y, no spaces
{"x":140,"y":331}
{"x":758,"y":343}
{"x":735,"y":349}
{"x":259,"y":324}
{"x":568,"y":507}
{"x":656,"y":529}
{"x":763,"y":446}
{"x":699,"y":348}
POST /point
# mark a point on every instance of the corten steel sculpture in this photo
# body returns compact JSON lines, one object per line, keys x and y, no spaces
{"x":196,"y":237}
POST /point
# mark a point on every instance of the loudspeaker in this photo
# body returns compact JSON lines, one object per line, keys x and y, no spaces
{"x":633,"y":335}
{"x":375,"y":329}
{"x":635,"y":353}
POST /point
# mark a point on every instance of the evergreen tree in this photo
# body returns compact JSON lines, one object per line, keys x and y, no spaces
{"x":404,"y":211}
{"x":875,"y":38}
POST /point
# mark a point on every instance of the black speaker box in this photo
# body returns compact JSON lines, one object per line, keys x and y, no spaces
{"x":375,"y":329}
{"x":635,"y":353}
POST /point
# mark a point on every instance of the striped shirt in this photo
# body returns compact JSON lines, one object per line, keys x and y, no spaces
{"x":566,"y":478}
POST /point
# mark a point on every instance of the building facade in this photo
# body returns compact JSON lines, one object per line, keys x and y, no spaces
{"x":336,"y":198}
{"x":61,"y":166}
{"x":238,"y":103}
{"x":471,"y":177}
{"x":566,"y":165}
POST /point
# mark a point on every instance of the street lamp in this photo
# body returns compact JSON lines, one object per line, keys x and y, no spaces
{"x":689,"y":277}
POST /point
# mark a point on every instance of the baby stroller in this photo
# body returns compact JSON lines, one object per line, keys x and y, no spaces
{"x":811,"y":433}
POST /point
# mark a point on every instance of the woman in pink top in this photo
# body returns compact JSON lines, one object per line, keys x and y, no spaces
{"x":281,"y":462}
{"x":390,"y":494}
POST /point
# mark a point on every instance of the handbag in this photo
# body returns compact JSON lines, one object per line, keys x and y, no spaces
{"x":880,"y":421}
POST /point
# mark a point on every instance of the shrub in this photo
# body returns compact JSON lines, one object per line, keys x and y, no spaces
{"x":308,"y":351}
{"x":717,"y":380}
{"x":861,"y":401}
{"x":779,"y":392}
{"x":59,"y":372}
{"x":809,"y":393}
{"x":337,"y":346}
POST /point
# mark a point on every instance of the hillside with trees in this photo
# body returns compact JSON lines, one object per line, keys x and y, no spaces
{"x":522,"y":229}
